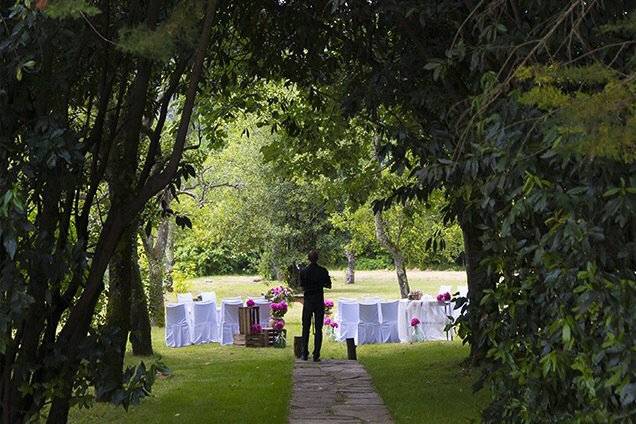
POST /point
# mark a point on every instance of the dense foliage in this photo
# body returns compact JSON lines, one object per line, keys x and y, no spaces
{"x":516,"y":120}
{"x":247,"y":216}
{"x":524,"y":113}
{"x":96,"y":100}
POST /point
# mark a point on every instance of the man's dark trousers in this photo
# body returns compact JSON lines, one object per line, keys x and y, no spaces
{"x":313,"y":306}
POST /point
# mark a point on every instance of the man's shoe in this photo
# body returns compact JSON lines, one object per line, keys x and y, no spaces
{"x":304,"y":357}
{"x":316,"y":359}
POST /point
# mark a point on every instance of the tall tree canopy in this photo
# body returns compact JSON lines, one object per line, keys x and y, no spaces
{"x":96,"y":100}
{"x":521,"y":113}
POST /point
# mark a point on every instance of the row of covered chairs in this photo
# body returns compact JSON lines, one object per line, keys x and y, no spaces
{"x":368,"y":321}
{"x":189,"y":322}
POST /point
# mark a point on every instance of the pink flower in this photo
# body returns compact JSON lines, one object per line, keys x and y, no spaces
{"x":279,"y":324}
{"x":256,"y":328}
{"x":250,"y":303}
{"x":328,"y":303}
{"x":440,"y":298}
{"x":415,"y":322}
{"x":327,"y":321}
{"x":334,"y":324}
{"x":447,"y":297}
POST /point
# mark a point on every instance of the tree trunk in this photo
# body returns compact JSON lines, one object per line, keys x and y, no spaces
{"x":159,"y":267}
{"x":121,"y":273}
{"x":155,"y":291}
{"x":398,"y":258}
{"x":478,"y":281}
{"x":140,"y":332}
{"x":169,"y":259}
{"x":350,"y":276}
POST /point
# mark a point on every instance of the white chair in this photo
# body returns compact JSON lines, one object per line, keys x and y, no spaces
{"x":204,"y":323}
{"x":264,"y":311}
{"x":177,"y":328}
{"x":348,"y":317}
{"x":369,"y":323}
{"x":208,"y":297}
{"x":389,"y":322}
{"x":184,"y":298}
{"x":229,"y":320}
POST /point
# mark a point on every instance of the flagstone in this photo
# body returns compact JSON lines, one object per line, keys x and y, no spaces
{"x":335,"y":392}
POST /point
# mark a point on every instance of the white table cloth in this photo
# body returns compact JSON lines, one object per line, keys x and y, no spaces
{"x":433,"y":318}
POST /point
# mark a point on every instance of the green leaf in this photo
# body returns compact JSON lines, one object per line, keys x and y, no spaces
{"x":566,"y":333}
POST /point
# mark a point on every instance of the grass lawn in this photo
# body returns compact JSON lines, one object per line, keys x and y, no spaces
{"x":421,"y":383}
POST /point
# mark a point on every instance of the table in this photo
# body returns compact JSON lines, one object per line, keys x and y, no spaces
{"x":433,"y":318}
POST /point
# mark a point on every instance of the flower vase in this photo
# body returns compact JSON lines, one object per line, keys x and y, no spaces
{"x":417,"y":335}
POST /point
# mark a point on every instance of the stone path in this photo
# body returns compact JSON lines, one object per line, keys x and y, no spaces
{"x":335,"y":392}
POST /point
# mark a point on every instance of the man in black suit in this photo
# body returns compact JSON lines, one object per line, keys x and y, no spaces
{"x":313,"y":279}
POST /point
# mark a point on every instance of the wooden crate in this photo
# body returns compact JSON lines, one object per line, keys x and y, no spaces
{"x":247,"y":318}
{"x":271,"y":334}
{"x":251,"y":340}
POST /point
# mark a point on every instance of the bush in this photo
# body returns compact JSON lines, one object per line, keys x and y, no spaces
{"x":370,"y":264}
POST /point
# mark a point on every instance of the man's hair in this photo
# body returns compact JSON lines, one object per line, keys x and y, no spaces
{"x":313,"y":256}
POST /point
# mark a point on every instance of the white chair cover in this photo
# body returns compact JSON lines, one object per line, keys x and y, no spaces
{"x":208,"y":297}
{"x":205,"y":326}
{"x":348,"y":317}
{"x":388,"y":324}
{"x":264,"y":311}
{"x":229,"y":320}
{"x":184,"y":298}
{"x":177,"y":328}
{"x":369,"y":324}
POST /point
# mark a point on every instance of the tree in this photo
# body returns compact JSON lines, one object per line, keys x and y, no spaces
{"x":100,"y":92}
{"x":519,"y":182}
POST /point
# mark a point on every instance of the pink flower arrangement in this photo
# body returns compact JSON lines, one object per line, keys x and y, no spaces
{"x":334,"y":324}
{"x":444,"y":297}
{"x":250,"y":303}
{"x":279,"y":324}
{"x":279,"y":309}
{"x":329,"y":303}
{"x":415,"y":321}
{"x":256,"y":328}
{"x":327,"y":321}
{"x":279,"y":293}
